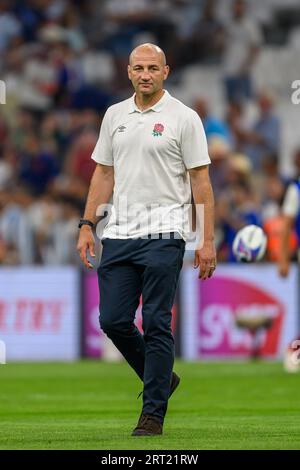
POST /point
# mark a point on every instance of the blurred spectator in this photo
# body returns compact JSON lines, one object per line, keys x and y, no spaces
{"x":42,"y":215}
{"x":205,"y":44}
{"x":38,"y":164}
{"x":274,"y":191}
{"x":3,"y":130}
{"x":64,"y":234}
{"x":297,"y":163}
{"x":235,"y":120}
{"x":69,"y":185}
{"x":181,"y":24}
{"x":23,"y":125}
{"x":73,"y":34}
{"x":270,"y":165}
{"x":15,"y":228}
{"x":239,"y":170}
{"x":242,"y":43}
{"x":264,"y":138}
{"x":6,"y":168}
{"x":213,"y":127}
{"x":273,"y":224}
{"x":219,"y":152}
{"x":270,"y":170}
{"x":124,"y":19}
{"x":291,"y":223}
{"x":30,"y":16}
{"x":79,"y":162}
{"x":10,"y":26}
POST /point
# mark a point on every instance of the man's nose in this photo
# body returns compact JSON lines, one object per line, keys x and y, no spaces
{"x":145,"y":75}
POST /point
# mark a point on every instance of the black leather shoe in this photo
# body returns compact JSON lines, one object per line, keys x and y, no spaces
{"x":148,"y":425}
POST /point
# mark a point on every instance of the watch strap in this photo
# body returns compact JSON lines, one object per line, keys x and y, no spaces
{"x":85,"y":222}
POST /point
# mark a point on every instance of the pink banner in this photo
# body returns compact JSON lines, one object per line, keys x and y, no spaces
{"x":92,"y":334}
{"x":242,"y":311}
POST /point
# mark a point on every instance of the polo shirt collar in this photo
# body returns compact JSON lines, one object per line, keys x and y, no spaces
{"x":157,"y":107}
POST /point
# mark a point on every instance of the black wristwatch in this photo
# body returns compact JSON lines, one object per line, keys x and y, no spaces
{"x":85,"y":222}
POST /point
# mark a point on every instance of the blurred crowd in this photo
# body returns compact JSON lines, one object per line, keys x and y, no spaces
{"x":64,"y":62}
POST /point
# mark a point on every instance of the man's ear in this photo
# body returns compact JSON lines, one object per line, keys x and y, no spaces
{"x":166,"y":72}
{"x":129,"y":72}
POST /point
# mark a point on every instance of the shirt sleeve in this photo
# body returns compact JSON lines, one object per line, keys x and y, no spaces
{"x":291,"y":203}
{"x":102,"y":152}
{"x":193,"y":142}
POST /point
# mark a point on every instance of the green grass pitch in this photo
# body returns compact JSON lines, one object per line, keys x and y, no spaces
{"x":93,"y":405}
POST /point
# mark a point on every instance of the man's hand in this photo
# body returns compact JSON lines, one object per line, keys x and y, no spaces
{"x":205,"y":256}
{"x":86,"y":242}
{"x":283,"y":268}
{"x":206,"y":260}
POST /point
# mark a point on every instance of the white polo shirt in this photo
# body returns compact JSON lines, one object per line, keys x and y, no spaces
{"x":291,"y":203}
{"x":151,"y":152}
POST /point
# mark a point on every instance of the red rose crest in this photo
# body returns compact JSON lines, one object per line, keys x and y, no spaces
{"x":158,"y":129}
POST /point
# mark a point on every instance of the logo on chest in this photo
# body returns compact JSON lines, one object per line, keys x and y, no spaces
{"x":121,"y":128}
{"x":158,"y":130}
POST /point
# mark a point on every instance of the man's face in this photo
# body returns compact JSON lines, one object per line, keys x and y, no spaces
{"x":147,"y":71}
{"x":239,"y":9}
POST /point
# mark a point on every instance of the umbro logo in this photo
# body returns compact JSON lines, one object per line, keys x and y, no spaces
{"x":121,"y":128}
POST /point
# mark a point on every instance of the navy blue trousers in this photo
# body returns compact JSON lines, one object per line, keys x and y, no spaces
{"x":128,"y":269}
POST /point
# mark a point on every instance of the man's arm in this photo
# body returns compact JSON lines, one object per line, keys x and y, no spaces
{"x":100,"y":191}
{"x":205,"y":255}
{"x":284,"y":253}
{"x":250,"y":59}
{"x":290,"y":209}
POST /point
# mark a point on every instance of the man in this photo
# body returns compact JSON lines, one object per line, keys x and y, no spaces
{"x":213,"y":126}
{"x":264,"y":138}
{"x":243,"y":39}
{"x":151,"y":151}
{"x":291,"y":220}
